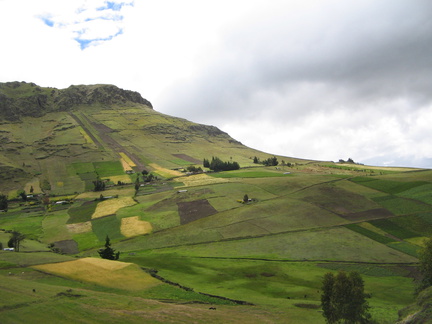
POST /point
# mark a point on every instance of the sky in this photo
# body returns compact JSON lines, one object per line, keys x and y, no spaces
{"x":314,"y":79}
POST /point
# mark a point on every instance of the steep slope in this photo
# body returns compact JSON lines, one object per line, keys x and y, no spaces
{"x":46,"y":132}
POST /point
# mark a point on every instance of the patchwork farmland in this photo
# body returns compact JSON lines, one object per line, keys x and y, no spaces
{"x":191,"y":246}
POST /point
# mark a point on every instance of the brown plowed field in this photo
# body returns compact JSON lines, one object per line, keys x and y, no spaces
{"x":194,"y":210}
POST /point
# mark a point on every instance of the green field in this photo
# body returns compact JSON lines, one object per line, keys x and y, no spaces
{"x":206,"y":247}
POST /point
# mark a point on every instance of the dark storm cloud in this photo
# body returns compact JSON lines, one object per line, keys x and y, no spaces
{"x":338,"y":54}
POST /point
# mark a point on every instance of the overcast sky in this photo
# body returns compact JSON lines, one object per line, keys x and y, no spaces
{"x":316,"y":79}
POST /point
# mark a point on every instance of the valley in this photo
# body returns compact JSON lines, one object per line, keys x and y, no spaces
{"x":192,"y":249}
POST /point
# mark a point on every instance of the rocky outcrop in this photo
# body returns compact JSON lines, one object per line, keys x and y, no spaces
{"x":18,"y":99}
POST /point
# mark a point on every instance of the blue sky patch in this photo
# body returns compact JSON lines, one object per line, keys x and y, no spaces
{"x":47,"y":21}
{"x":78,"y":24}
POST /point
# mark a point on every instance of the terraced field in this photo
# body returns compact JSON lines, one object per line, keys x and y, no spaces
{"x":190,"y":246}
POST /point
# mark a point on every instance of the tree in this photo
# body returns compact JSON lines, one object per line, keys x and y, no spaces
{"x":23,"y":195}
{"x":108,"y":252}
{"x":343,"y":298}
{"x":273,"y":161}
{"x":99,"y":185}
{"x":137,"y":183}
{"x":425,"y":258}
{"x":245,"y":198}
{"x":15,"y":240}
{"x":328,"y":308}
{"x":3,"y":202}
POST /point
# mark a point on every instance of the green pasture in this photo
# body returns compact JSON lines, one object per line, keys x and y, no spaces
{"x":422,"y":193}
{"x":106,"y":169}
{"x":181,"y":162}
{"x":402,"y":206}
{"x":280,"y":284}
{"x":370,"y":234}
{"x":420,"y":224}
{"x":333,"y":244}
{"x":389,"y":186}
{"x":83,"y":167}
{"x":391,"y":226}
{"x":250,"y":173}
{"x":81,"y":213}
{"x":29,"y":224}
{"x":87,"y":241}
{"x":332,"y":197}
{"x":54,"y":227}
{"x":108,"y":225}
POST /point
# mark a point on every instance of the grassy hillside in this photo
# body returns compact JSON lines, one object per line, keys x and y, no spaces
{"x":190,"y":246}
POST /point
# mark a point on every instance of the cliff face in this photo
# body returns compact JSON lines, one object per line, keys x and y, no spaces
{"x":18,"y":99}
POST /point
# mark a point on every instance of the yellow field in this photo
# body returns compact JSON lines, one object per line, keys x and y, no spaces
{"x":80,"y":227}
{"x":107,"y":273}
{"x":86,"y":136}
{"x":132,"y":226}
{"x":200,"y":179}
{"x":121,"y":192}
{"x":123,"y":178}
{"x":165,"y":172}
{"x":111,"y":206}
{"x":372,"y":228}
{"x":127,"y":159}
{"x":125,"y":165}
{"x":36,"y":186}
{"x":417,"y":240}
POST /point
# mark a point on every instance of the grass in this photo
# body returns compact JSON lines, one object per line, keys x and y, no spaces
{"x":82,"y":213}
{"x":108,"y":168}
{"x":278,"y":246}
{"x":250,"y":174}
{"x":107,"y":226}
{"x":372,"y":235}
{"x":391,"y":227}
{"x":401,"y":206}
{"x":111,"y":206}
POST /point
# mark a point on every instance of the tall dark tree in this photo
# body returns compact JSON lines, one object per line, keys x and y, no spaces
{"x":343,"y":299}
{"x":23,"y":195}
{"x":3,"y":202}
{"x":99,"y":185}
{"x":245,"y":198}
{"x":15,"y":240}
{"x":425,"y":258}
{"x":329,"y":311}
{"x":108,"y":252}
{"x":137,"y":183}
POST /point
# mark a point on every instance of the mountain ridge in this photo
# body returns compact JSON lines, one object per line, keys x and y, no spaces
{"x":19,"y":99}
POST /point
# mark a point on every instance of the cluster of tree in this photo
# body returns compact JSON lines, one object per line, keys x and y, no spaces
{"x":194,"y":169}
{"x":148,"y":177}
{"x":3,"y":202}
{"x":15,"y":240}
{"x":99,"y":185}
{"x":343,"y":299}
{"x":108,"y":252}
{"x":272,"y":161}
{"x":347,"y":161}
{"x":216,"y":164}
{"x":425,"y":267}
